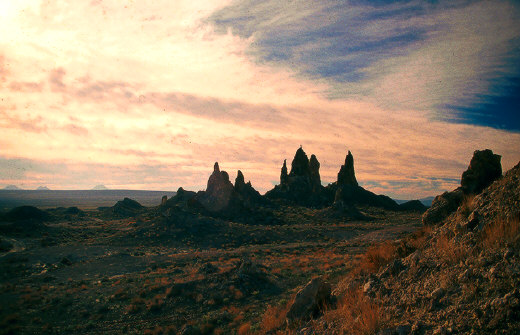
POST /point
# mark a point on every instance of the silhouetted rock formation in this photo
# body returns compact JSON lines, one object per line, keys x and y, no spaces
{"x":413,"y":205}
{"x":218,"y":192}
{"x":247,"y":194}
{"x":126,"y":208}
{"x":222,"y":197}
{"x":181,"y":197}
{"x":347,"y":192}
{"x":26,"y":213}
{"x":284,"y":177}
{"x":483,"y":169}
{"x":303,"y":184}
{"x":346,"y":175}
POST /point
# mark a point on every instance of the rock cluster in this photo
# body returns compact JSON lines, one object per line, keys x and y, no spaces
{"x":222,"y":196}
{"x":302,"y":184}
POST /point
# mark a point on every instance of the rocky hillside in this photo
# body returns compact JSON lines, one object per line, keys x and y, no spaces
{"x":458,"y":275}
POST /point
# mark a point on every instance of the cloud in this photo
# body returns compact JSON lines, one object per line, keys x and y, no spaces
{"x":438,"y":57}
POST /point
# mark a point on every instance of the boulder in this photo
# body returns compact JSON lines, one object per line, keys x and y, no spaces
{"x":442,"y":206}
{"x":484,"y":168}
{"x":309,"y":301}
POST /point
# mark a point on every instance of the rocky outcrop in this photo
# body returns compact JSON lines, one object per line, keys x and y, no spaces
{"x":309,"y":301}
{"x":303,"y":184}
{"x":126,"y":208}
{"x":483,"y":169}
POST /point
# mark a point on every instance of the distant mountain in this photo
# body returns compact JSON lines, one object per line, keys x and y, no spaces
{"x":12,"y":188}
{"x":43,"y":188}
{"x":100,"y":187}
{"x":425,"y":201}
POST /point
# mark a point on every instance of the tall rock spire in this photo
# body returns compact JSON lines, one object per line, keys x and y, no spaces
{"x":284,"y":177}
{"x":346,"y":175}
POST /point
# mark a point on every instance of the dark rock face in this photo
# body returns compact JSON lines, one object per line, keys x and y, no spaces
{"x":483,"y":169}
{"x":346,"y":175}
{"x":309,"y":301}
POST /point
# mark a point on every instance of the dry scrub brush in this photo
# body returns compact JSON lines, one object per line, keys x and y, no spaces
{"x":355,"y":314}
{"x":501,"y":232}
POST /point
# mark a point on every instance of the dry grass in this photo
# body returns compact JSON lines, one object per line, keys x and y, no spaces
{"x":501,"y":232}
{"x":244,"y":329}
{"x":355,"y":314}
{"x":375,"y":257}
{"x":449,"y":251}
{"x":274,"y":318}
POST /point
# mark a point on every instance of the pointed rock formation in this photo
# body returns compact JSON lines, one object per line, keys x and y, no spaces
{"x":284,"y":177}
{"x":347,"y":191}
{"x":346,"y":175}
{"x":300,"y":164}
{"x":218,"y":192}
{"x":314,"y":173}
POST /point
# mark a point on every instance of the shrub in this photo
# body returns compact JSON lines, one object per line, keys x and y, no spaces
{"x":377,"y":256}
{"x":244,"y":329}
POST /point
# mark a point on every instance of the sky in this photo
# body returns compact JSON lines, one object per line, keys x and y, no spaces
{"x":148,"y":95}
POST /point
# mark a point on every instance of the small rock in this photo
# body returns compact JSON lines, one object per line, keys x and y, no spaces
{"x":309,"y":301}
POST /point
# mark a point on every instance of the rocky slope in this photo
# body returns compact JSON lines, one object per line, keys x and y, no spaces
{"x":457,"y":276}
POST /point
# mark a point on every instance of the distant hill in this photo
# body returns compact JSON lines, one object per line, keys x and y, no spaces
{"x":11,"y":188}
{"x":425,"y":201}
{"x":43,"y":188}
{"x":100,"y":187}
